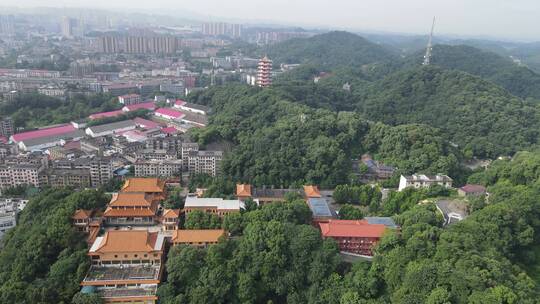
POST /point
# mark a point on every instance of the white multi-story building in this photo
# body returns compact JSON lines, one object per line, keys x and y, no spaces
{"x":204,"y":162}
{"x":424,"y":181}
{"x":158,"y":168}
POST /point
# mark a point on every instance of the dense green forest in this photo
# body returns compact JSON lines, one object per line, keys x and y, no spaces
{"x":330,"y":50}
{"x":44,"y":258}
{"x":282,"y":143}
{"x":34,"y":110}
{"x":280,"y":258}
{"x":518,"y":80}
{"x":480,"y":117}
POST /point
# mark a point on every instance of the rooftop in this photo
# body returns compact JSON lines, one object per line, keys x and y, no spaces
{"x":131,"y":199}
{"x":219,"y":203}
{"x":141,"y":184}
{"x":243,"y":190}
{"x":112,"y":126}
{"x":169,"y":112}
{"x":197,"y":236}
{"x":351,"y":228}
{"x":312,"y":191}
{"x":129,"y":292}
{"x":145,"y":123}
{"x":43,"y":132}
{"x":139,"y":272}
{"x":171,"y":213}
{"x":106,"y":114}
{"x":473,"y":188}
{"x":319,"y":207}
{"x":127,"y":241}
{"x":145,"y":105}
{"x":82,"y":214}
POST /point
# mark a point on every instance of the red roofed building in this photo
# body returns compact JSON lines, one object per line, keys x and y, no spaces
{"x":150,"y":106}
{"x":472,"y":190}
{"x":106,"y":114}
{"x":358,"y":237}
{"x":145,"y":123}
{"x":170,"y":130}
{"x":64,"y":129}
{"x":168,"y":114}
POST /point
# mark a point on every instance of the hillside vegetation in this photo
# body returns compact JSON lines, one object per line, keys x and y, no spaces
{"x":330,"y":50}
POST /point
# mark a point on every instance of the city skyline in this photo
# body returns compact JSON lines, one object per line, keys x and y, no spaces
{"x":516,"y":20}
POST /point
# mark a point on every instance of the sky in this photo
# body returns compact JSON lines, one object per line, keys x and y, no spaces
{"x":505,"y":19}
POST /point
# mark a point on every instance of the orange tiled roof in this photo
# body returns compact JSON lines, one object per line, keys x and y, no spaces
{"x":171,"y":213}
{"x":81,"y":214}
{"x":351,"y":228}
{"x":197,"y":236}
{"x":131,"y":199}
{"x":127,"y":241}
{"x":243,"y":190}
{"x":144,"y":185}
{"x":312,"y":191}
{"x":128,"y":212}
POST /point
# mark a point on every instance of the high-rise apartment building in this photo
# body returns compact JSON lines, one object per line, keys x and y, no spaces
{"x":222,"y":29}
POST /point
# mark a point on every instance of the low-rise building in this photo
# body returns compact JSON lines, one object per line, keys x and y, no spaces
{"x":197,"y":238}
{"x":472,"y":190}
{"x":132,"y":209}
{"x":191,"y":107}
{"x":126,"y":266}
{"x":77,"y":178}
{"x":129,"y":99}
{"x":158,"y":168}
{"x":353,"y":236}
{"x":170,"y":219}
{"x":168,"y":114}
{"x":111,"y":128}
{"x":424,"y":181}
{"x":217,"y":206}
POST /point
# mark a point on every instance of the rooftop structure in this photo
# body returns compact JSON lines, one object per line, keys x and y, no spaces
{"x":150,"y":106}
{"x":145,"y":123}
{"x":424,"y":181}
{"x":106,"y":114}
{"x":353,"y":236}
{"x":59,"y":130}
{"x":311,"y":191}
{"x":472,"y":190}
{"x":168,"y":113}
{"x":198,"y":238}
{"x":320,"y":209}
{"x":217,"y":206}
{"x":110,"y":128}
{"x":147,"y":185}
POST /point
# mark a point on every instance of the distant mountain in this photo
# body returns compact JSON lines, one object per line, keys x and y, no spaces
{"x":330,"y":50}
{"x":518,"y":80}
{"x":479,"y":116}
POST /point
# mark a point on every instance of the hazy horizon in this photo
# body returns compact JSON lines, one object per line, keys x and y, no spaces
{"x":517,"y":20}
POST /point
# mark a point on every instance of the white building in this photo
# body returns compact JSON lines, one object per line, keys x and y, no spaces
{"x":217,"y":206}
{"x":424,"y":181}
{"x":158,"y":168}
{"x":111,"y":128}
{"x":129,"y":99}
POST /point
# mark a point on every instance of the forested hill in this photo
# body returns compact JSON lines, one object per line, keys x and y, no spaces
{"x":280,"y":142}
{"x":330,"y":50}
{"x":480,"y":117}
{"x":518,"y":80}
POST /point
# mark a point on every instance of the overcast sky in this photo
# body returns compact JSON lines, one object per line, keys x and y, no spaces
{"x":517,"y":19}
